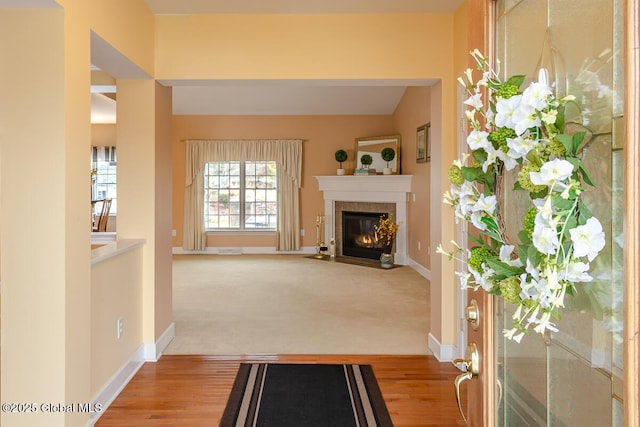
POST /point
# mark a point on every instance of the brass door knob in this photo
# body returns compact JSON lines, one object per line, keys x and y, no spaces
{"x":473,"y":314}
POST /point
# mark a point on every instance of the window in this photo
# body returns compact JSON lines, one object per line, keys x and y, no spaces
{"x":103,"y":176}
{"x":240,"y":195}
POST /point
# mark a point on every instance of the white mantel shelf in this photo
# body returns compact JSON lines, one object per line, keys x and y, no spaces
{"x":373,"y":189}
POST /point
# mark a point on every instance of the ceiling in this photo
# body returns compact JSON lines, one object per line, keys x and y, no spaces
{"x":182,"y":7}
{"x":283,"y":97}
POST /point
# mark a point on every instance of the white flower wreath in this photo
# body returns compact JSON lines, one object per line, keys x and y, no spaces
{"x":560,"y":236}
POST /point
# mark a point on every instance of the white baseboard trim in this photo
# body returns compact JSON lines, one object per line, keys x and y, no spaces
{"x":153,"y":352}
{"x":444,"y":353}
{"x":115,"y":384}
{"x":249,"y":250}
{"x":424,"y":271}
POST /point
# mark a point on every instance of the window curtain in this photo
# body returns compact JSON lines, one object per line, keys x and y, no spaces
{"x":103,"y":154}
{"x":286,"y":153}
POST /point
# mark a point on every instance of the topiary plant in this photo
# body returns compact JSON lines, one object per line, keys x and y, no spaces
{"x":341,"y":156}
{"x":388,"y":154}
{"x":366,"y":160}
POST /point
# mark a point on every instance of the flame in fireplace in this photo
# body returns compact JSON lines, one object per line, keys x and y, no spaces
{"x":367,"y":241}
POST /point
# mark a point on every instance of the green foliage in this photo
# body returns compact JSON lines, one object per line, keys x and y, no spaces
{"x":341,"y":156}
{"x":366,"y":159}
{"x":388,"y":154}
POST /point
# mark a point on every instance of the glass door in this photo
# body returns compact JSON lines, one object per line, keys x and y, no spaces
{"x":572,"y":377}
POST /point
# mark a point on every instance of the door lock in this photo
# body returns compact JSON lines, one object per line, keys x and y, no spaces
{"x":471,"y":363}
{"x":473,"y":314}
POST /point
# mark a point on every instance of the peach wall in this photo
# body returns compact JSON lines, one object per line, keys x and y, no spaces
{"x":103,"y":135}
{"x":322,"y":136}
{"x":163,"y":212}
{"x":349,"y":46}
{"x":32,"y":45}
{"x":116,"y":293}
{"x":128,"y":26}
{"x":414,"y":110}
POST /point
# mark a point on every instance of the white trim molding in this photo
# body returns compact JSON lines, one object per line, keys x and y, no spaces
{"x":248,"y":250}
{"x":444,"y":353}
{"x":116,"y":384}
{"x":422,"y":270}
{"x":153,"y":351}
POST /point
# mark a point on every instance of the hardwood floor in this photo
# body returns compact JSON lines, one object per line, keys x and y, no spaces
{"x":193,"y":390}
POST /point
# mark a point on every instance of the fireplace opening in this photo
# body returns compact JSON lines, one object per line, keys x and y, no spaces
{"x":359,"y":237}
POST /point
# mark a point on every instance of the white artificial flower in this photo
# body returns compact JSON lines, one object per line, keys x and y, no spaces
{"x":552,"y":171}
{"x":511,"y":334}
{"x":464,"y":279}
{"x":486,"y":204}
{"x":544,"y":323}
{"x":505,"y":256}
{"x":469,"y":73}
{"x":537,"y":95}
{"x":476,"y":220}
{"x":545,"y":239}
{"x":524,"y":117}
{"x":509,"y":162}
{"x":483,"y":280}
{"x":492,"y":156}
{"x":549,"y":117}
{"x":475,"y":101}
{"x":575,"y":272}
{"x":520,"y":146}
{"x":588,"y":239}
{"x":478,"y":139}
{"x":551,"y":274}
{"x":470,"y":114}
{"x":504,"y":111}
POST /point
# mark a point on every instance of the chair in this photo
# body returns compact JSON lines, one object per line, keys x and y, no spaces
{"x":100,"y":224}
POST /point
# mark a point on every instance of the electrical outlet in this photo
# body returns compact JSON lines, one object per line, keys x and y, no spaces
{"x":120,"y":327}
{"x":419,"y":245}
{"x":173,"y":233}
{"x":414,"y":197}
{"x":302,"y":232}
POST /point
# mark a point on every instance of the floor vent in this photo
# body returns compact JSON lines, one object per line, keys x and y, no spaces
{"x":230,"y":251}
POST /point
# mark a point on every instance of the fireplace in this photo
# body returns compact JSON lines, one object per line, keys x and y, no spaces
{"x":373,"y":193}
{"x":359,"y":237}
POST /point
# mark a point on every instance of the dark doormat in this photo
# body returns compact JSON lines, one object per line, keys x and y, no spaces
{"x":305,"y":395}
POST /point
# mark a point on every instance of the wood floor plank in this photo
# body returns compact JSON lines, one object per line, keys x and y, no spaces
{"x":192,"y":390}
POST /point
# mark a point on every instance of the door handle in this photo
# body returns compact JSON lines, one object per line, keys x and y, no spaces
{"x":471,"y":363}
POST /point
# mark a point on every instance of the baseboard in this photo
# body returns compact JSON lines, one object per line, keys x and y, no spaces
{"x":153,"y":352}
{"x":115,"y":384}
{"x":444,"y":353}
{"x":422,"y":270}
{"x":249,"y":250}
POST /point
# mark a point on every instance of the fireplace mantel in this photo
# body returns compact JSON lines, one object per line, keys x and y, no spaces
{"x":373,"y":189}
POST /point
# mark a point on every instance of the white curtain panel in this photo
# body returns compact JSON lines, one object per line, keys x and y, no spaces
{"x":287,"y":153}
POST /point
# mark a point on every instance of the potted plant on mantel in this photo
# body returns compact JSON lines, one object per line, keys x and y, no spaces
{"x":387,"y":154}
{"x":366,"y":161}
{"x":341,"y":156}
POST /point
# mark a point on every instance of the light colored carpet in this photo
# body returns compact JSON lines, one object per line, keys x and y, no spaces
{"x":291,"y":304}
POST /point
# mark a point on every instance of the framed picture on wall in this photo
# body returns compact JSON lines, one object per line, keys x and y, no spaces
{"x":423,"y":150}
